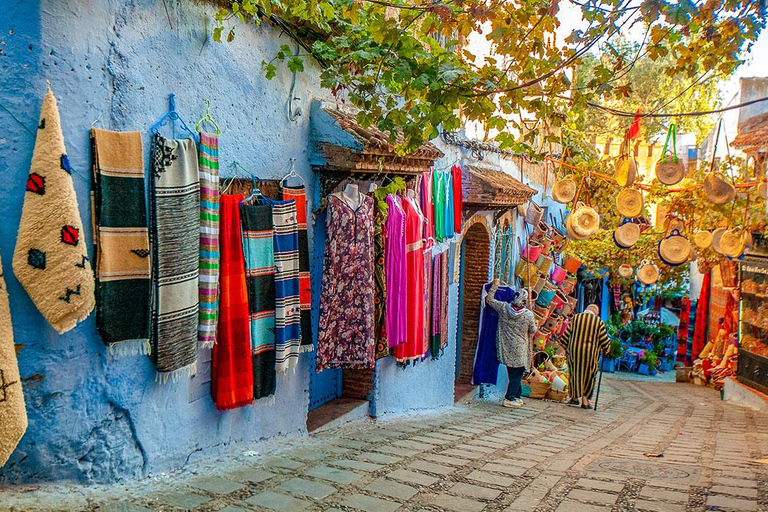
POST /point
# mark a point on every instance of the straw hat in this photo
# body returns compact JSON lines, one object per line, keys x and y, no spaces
{"x":625,"y":270}
{"x":670,"y":172}
{"x":626,"y":235}
{"x":731,"y":244}
{"x":585,"y":221}
{"x":629,"y":202}
{"x":716,"y":235}
{"x":718,"y":190}
{"x":626,"y":170}
{"x":648,"y":273}
{"x":564,"y":190}
{"x":674,"y":249}
{"x":703,"y":239}
{"x":569,"y":230}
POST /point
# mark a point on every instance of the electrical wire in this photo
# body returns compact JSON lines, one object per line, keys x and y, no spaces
{"x":622,"y":113}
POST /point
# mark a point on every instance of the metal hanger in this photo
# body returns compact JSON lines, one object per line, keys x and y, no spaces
{"x":171,"y":115}
{"x":234,"y":166}
{"x":292,"y":174}
{"x":255,"y":191}
{"x":207,"y":117}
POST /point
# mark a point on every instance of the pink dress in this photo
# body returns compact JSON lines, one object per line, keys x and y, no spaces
{"x":397,"y":282}
{"x":414,"y":347}
{"x":427,"y":208}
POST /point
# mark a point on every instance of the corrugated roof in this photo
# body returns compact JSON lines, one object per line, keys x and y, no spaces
{"x":489,"y":187}
{"x":753,"y":133}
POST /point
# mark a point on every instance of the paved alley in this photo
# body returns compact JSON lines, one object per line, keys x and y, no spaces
{"x":479,"y":457}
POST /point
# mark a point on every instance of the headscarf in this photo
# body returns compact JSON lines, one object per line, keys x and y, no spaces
{"x":593,"y":309}
{"x":520,"y":298}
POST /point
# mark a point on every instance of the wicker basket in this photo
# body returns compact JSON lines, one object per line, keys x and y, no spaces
{"x":539,"y":389}
{"x":556,"y":396}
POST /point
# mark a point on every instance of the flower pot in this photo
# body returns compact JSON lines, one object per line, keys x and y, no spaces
{"x":609,"y":365}
{"x":643,"y":369}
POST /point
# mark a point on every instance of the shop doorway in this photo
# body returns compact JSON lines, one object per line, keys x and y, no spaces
{"x":474,"y":274}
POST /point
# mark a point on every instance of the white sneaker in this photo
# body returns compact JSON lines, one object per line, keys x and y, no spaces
{"x":509,"y":403}
{"x":519,"y":402}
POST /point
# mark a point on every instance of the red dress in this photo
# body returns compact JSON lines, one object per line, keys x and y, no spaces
{"x":458,"y":198}
{"x":413,"y":348}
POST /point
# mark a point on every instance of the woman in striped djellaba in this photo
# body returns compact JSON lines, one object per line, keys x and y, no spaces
{"x":584,"y":339}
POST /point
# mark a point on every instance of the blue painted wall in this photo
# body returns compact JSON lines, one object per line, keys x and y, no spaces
{"x":92,"y":418}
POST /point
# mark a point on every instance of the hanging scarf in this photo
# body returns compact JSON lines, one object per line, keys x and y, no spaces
{"x":436,"y":338}
{"x":395,"y":278}
{"x":288,"y":343}
{"x":448,"y":222}
{"x":380,"y":281}
{"x":175,"y":226}
{"x":458,"y":199}
{"x":259,"y":252}
{"x":299,"y":196}
{"x":682,"y":332}
{"x":51,"y":260}
{"x":427,"y":304}
{"x":13,"y":413}
{"x":209,"y":238}
{"x":121,"y":242}
{"x":231,"y":366}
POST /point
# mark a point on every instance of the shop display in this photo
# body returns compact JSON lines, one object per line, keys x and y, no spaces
{"x":436,"y":331}
{"x":208,"y":162}
{"x":50,"y":259}
{"x":754,"y":312}
{"x":121,"y":242}
{"x":427,"y":198}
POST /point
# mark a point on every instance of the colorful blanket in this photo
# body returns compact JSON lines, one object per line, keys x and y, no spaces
{"x":299,"y":196}
{"x":175,"y":235}
{"x":208,"y":161}
{"x":259,"y":252}
{"x":121,"y":241}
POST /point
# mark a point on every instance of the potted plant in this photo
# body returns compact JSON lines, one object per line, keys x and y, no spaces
{"x":614,"y":353}
{"x":648,"y":364}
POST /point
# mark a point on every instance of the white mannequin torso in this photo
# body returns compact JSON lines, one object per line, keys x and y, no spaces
{"x":351,"y":196}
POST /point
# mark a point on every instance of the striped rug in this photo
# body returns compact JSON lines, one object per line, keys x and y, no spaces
{"x":299,"y":195}
{"x":208,"y":160}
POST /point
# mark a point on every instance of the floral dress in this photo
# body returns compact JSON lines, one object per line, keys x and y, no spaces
{"x":346,"y":331}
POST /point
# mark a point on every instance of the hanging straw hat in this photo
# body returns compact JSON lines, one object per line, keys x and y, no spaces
{"x":718,"y":190}
{"x":564,"y":190}
{"x":626,"y":235}
{"x":585,"y":222}
{"x":629,"y":202}
{"x":625,"y":270}
{"x":731,"y":244}
{"x":647,"y":273}
{"x":674,"y":249}
{"x":703,"y":239}
{"x":569,"y":230}
{"x":716,"y":235}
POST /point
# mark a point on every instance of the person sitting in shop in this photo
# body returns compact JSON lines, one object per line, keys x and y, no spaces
{"x":515,"y":338}
{"x":584,"y":339}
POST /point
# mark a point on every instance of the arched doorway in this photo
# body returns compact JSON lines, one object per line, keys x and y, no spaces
{"x":474,"y":274}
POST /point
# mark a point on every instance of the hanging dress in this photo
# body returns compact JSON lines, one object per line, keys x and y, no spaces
{"x":395,"y":267}
{"x":380,"y":281}
{"x":438,"y":205}
{"x":448,"y":222}
{"x":458,"y":198}
{"x":346,"y":331}
{"x":413,"y":348}
{"x":427,"y":207}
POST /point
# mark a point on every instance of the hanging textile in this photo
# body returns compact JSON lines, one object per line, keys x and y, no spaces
{"x":51,"y":260}
{"x":288,"y":343}
{"x":413,"y":348}
{"x":682,"y":332}
{"x":436,"y":340}
{"x":299,"y":196}
{"x":427,"y":304}
{"x":486,"y":365}
{"x":259,"y":256}
{"x":458,"y":199}
{"x":346,"y":330}
{"x":208,"y":162}
{"x":231,"y":366}
{"x":438,"y":205}
{"x":427,"y":207}
{"x":448,"y":205}
{"x":13,"y":412}
{"x":718,"y":301}
{"x":380,"y":280}
{"x":175,"y":226}
{"x":121,"y":241}
{"x":395,"y":272}
{"x":444,"y":298}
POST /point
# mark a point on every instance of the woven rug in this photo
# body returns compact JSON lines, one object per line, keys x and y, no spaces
{"x":231,"y":366}
{"x":13,"y":413}
{"x":259,"y":252}
{"x":287,"y":303}
{"x":51,"y":259}
{"x":208,"y":161}
{"x":174,"y":208}
{"x":121,"y":241}
{"x":299,"y":196}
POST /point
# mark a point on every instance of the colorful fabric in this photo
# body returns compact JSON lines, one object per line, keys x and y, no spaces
{"x":13,"y":412}
{"x":299,"y":196}
{"x":682,"y":332}
{"x":444,"y":298}
{"x":427,"y":207}
{"x":438,"y":205}
{"x":458,"y":199}
{"x":436,"y":333}
{"x":395,"y":272}
{"x":718,"y":301}
{"x":208,"y":161}
{"x":427,"y":303}
{"x":174,"y":210}
{"x":448,"y":222}
{"x":259,"y":254}
{"x":121,"y":241}
{"x":584,"y":339}
{"x":380,"y":280}
{"x":231,"y":366}
{"x":702,"y":313}
{"x":346,"y":332}
{"x":51,"y":260}
{"x":288,"y":343}
{"x":413,"y":348}
{"x":485,"y":369}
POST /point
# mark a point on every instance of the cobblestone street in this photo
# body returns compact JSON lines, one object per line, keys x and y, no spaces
{"x":479,"y":457}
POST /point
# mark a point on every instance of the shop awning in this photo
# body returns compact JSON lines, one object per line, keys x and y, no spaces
{"x":340,"y":143}
{"x":491,"y":188}
{"x":753,"y":134}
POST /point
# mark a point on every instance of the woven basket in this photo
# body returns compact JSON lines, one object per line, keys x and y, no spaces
{"x":703,"y":239}
{"x":556,"y":396}
{"x":584,"y":221}
{"x":718,"y":190}
{"x":539,"y":390}
{"x":626,"y":235}
{"x":670,"y":172}
{"x":732,"y":244}
{"x":533,"y":213}
{"x":626,"y":171}
{"x":564,"y":190}
{"x":674,"y":249}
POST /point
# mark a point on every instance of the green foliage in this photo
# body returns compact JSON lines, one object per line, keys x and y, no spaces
{"x":616,"y":350}
{"x":651,"y":359}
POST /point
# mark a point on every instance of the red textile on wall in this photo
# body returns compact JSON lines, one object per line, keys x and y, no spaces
{"x":458,"y":199}
{"x":702,"y":313}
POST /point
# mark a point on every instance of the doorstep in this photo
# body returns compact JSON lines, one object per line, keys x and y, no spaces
{"x":463,"y":392}
{"x":337,"y":412}
{"x":741,"y":394}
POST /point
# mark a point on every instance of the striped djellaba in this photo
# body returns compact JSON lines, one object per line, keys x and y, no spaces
{"x":584,"y":339}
